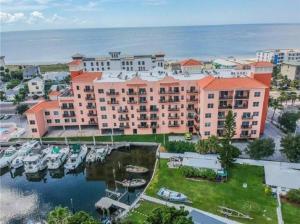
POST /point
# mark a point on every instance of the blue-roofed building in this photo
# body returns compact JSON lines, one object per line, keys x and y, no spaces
{"x":31,"y":71}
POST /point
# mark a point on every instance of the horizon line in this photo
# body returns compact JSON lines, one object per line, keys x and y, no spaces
{"x":139,"y":27}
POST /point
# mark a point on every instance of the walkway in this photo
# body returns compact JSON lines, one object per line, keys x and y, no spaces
{"x":106,"y":203}
{"x":209,"y":217}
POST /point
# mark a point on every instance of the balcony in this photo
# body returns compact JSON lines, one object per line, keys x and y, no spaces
{"x":192,"y":100}
{"x":190,"y":124}
{"x":244,"y":106}
{"x":154,"y":126}
{"x":67,"y":107}
{"x":225,"y":107}
{"x":173,"y":117}
{"x":123,"y":118}
{"x":124,"y":126}
{"x":131,"y":102}
{"x":154,"y":118}
{"x":69,"y":115}
{"x":141,"y":110}
{"x":90,"y":98}
{"x":245,"y":135}
{"x":173,"y":125}
{"x":153,"y":109}
{"x":142,"y":93}
{"x":237,"y":96}
{"x":169,"y":92}
{"x":142,"y":101}
{"x":92,"y":114}
{"x":247,"y":117}
{"x":131,"y":93}
{"x":91,"y":107}
{"x":143,"y":126}
{"x":113,"y":102}
{"x":123,"y":110}
{"x":190,"y":108}
{"x":192,"y":91}
{"x":112,"y":93}
{"x":221,"y":117}
{"x":225,"y":97}
{"x":93,"y":122}
{"x":221,"y":126}
{"x":142,"y":118}
{"x":246,"y":126}
{"x":88,"y":90}
{"x":173,"y":109}
{"x":190,"y":117}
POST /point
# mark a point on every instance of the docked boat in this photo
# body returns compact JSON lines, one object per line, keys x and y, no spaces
{"x":96,"y":155}
{"x":136,"y":169}
{"x":133,"y":183}
{"x":78,"y":154}
{"x":9,"y":155}
{"x":57,"y":157}
{"x":171,"y":195}
{"x":34,"y":163}
{"x":24,"y":151}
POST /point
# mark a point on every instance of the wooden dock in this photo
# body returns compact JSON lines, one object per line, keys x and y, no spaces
{"x":106,"y":203}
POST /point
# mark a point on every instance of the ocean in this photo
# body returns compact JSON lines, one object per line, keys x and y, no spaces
{"x":203,"y":42}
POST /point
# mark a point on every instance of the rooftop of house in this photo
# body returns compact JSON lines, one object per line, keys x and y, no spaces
{"x":224,"y":62}
{"x":87,"y":77}
{"x":261,"y":64}
{"x":36,"y":79}
{"x":43,"y":106}
{"x":54,"y":93}
{"x":191,"y":62}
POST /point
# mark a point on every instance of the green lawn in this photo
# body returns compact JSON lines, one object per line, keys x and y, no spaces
{"x":159,"y":138}
{"x":290,"y":213}
{"x":208,"y":196}
{"x":54,"y":68}
{"x":139,"y":215}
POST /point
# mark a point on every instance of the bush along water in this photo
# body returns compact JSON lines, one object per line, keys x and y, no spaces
{"x":180,"y":146}
{"x":203,"y":173}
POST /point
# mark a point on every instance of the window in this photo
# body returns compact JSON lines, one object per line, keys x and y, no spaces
{"x":80,"y":104}
{"x":208,"y":115}
{"x":105,"y":125}
{"x":207,"y":133}
{"x":210,"y":105}
{"x":104,"y":116}
{"x":57,"y":121}
{"x":67,"y":120}
{"x":255,"y":114}
{"x":102,"y":108}
{"x":49,"y":121}
{"x":34,"y":130}
{"x":32,"y":122}
{"x":207,"y":124}
{"x":55,"y":113}
{"x":254,"y":123}
{"x":73,"y":120}
{"x":47,"y":113}
{"x":257,"y":94}
{"x":77,"y":87}
{"x":151,"y":90}
{"x":255,"y":104}
{"x":253,"y":132}
{"x":211,"y":96}
{"x":100,"y":91}
{"x":101,"y":99}
{"x":82,"y":119}
{"x":79,"y":96}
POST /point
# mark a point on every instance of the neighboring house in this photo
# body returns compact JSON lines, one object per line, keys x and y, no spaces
{"x":278,"y":56}
{"x":2,"y":62}
{"x":224,"y":64}
{"x":191,"y":66}
{"x":55,"y":76}
{"x":116,"y":61}
{"x":172,"y":66}
{"x":10,"y":94}
{"x":36,"y":87}
{"x":291,"y":69}
{"x":31,"y":71}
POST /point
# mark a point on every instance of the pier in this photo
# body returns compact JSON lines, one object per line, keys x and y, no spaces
{"x":106,"y":203}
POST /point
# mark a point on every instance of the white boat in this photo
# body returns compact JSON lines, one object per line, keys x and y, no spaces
{"x":171,"y":195}
{"x":34,"y":163}
{"x":96,"y":155}
{"x":57,"y":157}
{"x":136,"y":169}
{"x":78,"y":153}
{"x":133,"y":183}
{"x":9,"y":155}
{"x":24,"y":151}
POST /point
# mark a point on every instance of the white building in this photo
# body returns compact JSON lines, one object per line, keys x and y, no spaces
{"x":55,"y":76}
{"x":117,"y":61}
{"x":2,"y":62}
{"x":277,"y":56}
{"x":36,"y":87}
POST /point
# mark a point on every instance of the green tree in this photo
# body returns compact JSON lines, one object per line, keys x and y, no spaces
{"x":18,"y":99}
{"x":13,"y":83}
{"x":291,"y":147}
{"x":213,"y":144}
{"x":295,"y":84}
{"x":202,"y":146}
{"x":228,"y":152}
{"x":169,"y":215}
{"x":261,"y":148}
{"x":21,"y":108}
{"x":293,"y":195}
{"x":275,"y":104}
{"x":284,"y":97}
{"x":288,"y":120}
{"x":293,"y":97}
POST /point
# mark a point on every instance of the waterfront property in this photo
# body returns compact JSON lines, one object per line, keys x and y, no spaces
{"x":150,"y":102}
{"x":278,"y":56}
{"x":291,"y":70}
{"x":31,"y":71}
{"x":118,"y":61}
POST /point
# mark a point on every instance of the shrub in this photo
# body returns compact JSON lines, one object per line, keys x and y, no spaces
{"x":180,"y":146}
{"x":294,"y":196}
{"x":204,"y":173}
{"x":261,"y":148}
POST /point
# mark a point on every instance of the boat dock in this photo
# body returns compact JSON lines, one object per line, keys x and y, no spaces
{"x":106,"y":203}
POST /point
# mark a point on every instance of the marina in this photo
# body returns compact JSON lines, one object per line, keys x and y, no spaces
{"x":81,"y":188}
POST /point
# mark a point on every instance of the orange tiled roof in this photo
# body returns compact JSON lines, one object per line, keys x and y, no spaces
{"x":87,"y":77}
{"x":262,"y":64}
{"x":205,"y":81}
{"x":190,"y":62}
{"x":232,"y":83}
{"x":75,"y":62}
{"x":54,"y":93}
{"x":42,"y":106}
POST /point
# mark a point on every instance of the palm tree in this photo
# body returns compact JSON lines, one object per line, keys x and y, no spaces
{"x":293,"y":97}
{"x":213,"y":144}
{"x":283,"y":97}
{"x":275,"y":104}
{"x":202,"y":146}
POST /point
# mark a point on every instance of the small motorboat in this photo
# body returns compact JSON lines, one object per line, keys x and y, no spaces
{"x":96,"y":155}
{"x":24,"y":151}
{"x":57,"y":157}
{"x":34,"y":163}
{"x":9,"y":155}
{"x":136,"y":169}
{"x":171,"y":195}
{"x":78,"y":154}
{"x":133,"y":183}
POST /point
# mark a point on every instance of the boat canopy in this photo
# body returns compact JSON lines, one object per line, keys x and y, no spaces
{"x":55,"y":149}
{"x":75,"y":148}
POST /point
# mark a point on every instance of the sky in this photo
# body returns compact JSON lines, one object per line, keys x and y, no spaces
{"x":61,"y":14}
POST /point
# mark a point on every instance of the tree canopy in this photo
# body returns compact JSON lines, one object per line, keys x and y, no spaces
{"x":288,"y":120}
{"x":291,"y":147}
{"x":260,"y":148}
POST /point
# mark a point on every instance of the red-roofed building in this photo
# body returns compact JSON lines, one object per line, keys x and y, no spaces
{"x":191,"y":66}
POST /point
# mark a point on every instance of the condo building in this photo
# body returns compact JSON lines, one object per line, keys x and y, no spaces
{"x":116,"y":61}
{"x":157,"y":101}
{"x":278,"y":56}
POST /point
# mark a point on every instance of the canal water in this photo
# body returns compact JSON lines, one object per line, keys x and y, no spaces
{"x":27,"y":199}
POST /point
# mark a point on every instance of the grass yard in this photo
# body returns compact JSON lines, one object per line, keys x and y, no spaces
{"x":208,"y":196}
{"x":54,"y":68}
{"x":139,"y":215}
{"x":290,"y":213}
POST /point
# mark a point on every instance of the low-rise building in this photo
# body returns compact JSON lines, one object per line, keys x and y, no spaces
{"x":158,"y":101}
{"x":31,"y":71}
{"x":191,"y":66}
{"x":278,"y":56}
{"x":291,"y":69}
{"x":36,"y":87}
{"x":116,"y":61}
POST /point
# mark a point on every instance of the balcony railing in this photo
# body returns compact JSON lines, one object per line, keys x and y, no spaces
{"x":113,"y":102}
{"x":246,"y":126}
{"x":142,"y":101}
{"x":153,"y":109}
{"x":112,"y":93}
{"x":221,"y":126}
{"x":192,"y":100}
{"x":225,"y":97}
{"x":192,"y":91}
{"x":190,"y":117}
{"x":123,"y":118}
{"x":173,"y":125}
{"x":142,"y":118}
{"x":90,"y":98}
{"x":88,"y":90}
{"x":93,"y":122}
{"x":189,"y":124}
{"x":69,"y":115}
{"x":225,"y":106}
{"x":124,"y":126}
{"x":247,"y":117}
{"x":241,"y":96}
{"x":131,"y":102}
{"x":154,"y":126}
{"x":141,"y":110}
{"x":173,"y":117}
{"x":169,"y":92}
{"x":154,"y":118}
{"x":173,"y":109}
{"x":92,"y":114}
{"x":190,"y":108}
{"x":131,"y":93}
{"x":242,"y":135}
{"x":143,"y":126}
{"x":67,"y":107}
{"x":245,"y":106}
{"x":91,"y":107}
{"x":221,"y":117}
{"x":142,"y":93}
{"x":123,"y":110}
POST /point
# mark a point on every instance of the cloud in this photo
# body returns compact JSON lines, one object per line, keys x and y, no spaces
{"x":11,"y":17}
